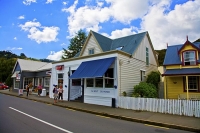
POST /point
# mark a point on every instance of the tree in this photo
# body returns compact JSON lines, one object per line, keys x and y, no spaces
{"x":161,"y":56}
{"x":198,"y":40}
{"x":154,"y":78}
{"x":22,"y":56}
{"x":75,"y":45}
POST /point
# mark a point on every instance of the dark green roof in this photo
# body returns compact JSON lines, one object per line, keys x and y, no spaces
{"x":128,"y":43}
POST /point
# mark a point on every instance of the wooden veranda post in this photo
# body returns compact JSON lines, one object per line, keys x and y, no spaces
{"x":187,"y":87}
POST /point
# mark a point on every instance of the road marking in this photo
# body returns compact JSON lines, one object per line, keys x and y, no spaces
{"x":102,"y":116}
{"x":64,"y":130}
{"x":156,"y":126}
{"x":70,"y":109}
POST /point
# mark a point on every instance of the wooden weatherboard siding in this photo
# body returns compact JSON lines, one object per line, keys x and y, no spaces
{"x":140,"y":53}
{"x":130,"y":73}
{"x":174,"y":87}
{"x":92,"y":44}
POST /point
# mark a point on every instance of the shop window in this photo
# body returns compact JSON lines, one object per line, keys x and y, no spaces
{"x":46,"y":81}
{"x":17,"y":84}
{"x":90,"y":82}
{"x":99,"y":82}
{"x":76,"y":82}
{"x":36,"y":82}
{"x":27,"y":81}
{"x":109,"y":78}
{"x":107,"y":81}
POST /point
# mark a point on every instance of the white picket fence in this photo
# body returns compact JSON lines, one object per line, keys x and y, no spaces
{"x":167,"y":106}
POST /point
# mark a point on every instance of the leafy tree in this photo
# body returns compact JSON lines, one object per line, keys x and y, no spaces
{"x":161,"y":56}
{"x":154,"y":78}
{"x":145,"y":90}
{"x":75,"y":45}
{"x":198,"y":40}
{"x":22,"y":56}
{"x":6,"y":67}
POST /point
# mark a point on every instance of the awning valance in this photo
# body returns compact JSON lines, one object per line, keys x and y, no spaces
{"x":183,"y":71}
{"x":94,"y":68}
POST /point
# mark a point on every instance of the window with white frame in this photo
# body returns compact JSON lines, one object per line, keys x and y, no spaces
{"x":189,"y":58}
{"x":107,"y":81}
{"x":147,"y":56}
{"x":27,"y":81}
{"x":36,"y":82}
{"x":142,"y":75}
{"x":46,"y":81}
{"x":91,"y":51}
{"x":60,"y":79}
{"x":17,"y":84}
{"x":76,"y":82}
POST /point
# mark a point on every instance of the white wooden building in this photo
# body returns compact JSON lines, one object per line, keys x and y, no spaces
{"x":105,"y":68}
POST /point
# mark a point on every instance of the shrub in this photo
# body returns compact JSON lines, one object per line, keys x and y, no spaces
{"x":145,"y":90}
{"x":124,"y":94}
{"x":154,"y":78}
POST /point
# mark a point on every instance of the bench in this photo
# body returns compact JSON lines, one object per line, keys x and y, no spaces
{"x":191,"y":96}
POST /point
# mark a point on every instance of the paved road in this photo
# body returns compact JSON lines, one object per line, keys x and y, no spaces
{"x":19,"y":115}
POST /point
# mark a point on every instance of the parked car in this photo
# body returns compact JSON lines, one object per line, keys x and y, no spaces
{"x":3,"y":86}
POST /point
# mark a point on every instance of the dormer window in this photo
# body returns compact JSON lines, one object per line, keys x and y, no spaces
{"x":189,"y":58}
{"x":91,"y":51}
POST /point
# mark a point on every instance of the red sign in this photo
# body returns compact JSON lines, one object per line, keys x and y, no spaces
{"x":60,"y":67}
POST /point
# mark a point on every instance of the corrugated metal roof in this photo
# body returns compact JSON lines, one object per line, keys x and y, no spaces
{"x":129,"y":43}
{"x":104,"y":42}
{"x":30,"y":65}
{"x":185,"y":71}
{"x":172,"y":57}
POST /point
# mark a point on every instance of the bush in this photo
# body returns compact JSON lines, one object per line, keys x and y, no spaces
{"x":154,"y":78}
{"x":145,"y":90}
{"x":124,"y":94}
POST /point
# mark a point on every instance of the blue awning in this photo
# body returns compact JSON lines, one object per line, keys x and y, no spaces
{"x":94,"y":68}
{"x":183,"y":71}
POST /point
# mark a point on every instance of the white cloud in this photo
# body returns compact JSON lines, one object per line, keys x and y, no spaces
{"x":15,"y":38}
{"x":40,"y":33}
{"x":49,"y":1}
{"x":164,"y":25}
{"x":64,"y":3}
{"x":55,"y":55}
{"x":172,"y":27}
{"x":28,"y":2}
{"x":117,"y":11}
{"x":63,"y":44}
{"x":14,"y":48}
{"x":21,"y":17}
{"x":123,"y":32}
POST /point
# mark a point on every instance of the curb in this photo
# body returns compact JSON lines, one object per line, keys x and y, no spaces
{"x":167,"y":125}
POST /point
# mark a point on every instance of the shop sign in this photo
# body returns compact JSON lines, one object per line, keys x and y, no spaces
{"x":60,"y":67}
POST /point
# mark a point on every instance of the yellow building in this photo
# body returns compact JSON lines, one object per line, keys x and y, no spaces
{"x":182,"y":71}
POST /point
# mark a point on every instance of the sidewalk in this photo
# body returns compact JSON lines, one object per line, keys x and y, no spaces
{"x":158,"y":119}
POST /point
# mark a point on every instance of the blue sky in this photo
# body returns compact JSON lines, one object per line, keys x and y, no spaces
{"x":41,"y":28}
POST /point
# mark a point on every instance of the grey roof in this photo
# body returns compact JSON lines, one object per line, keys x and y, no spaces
{"x":30,"y":65}
{"x":129,"y":43}
{"x":172,"y":57}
